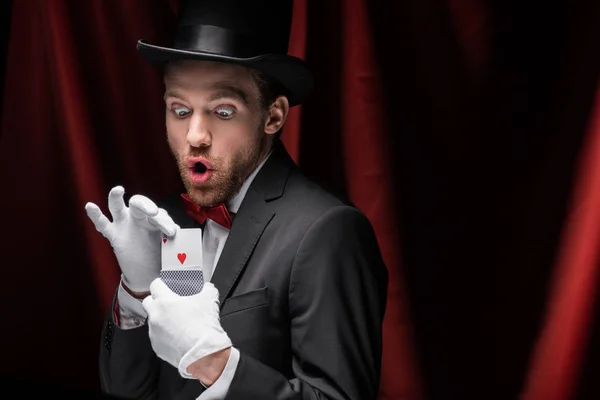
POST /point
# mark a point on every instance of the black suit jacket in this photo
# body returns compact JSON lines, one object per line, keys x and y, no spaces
{"x":303,"y":291}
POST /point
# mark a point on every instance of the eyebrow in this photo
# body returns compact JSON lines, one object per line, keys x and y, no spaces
{"x":227,"y":91}
{"x":223,"y":91}
{"x":175,"y":94}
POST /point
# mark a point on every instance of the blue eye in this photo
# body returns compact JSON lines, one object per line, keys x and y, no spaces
{"x":181,"y":112}
{"x":224,"y":112}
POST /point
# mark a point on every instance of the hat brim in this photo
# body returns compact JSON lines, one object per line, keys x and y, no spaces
{"x":291,"y":72}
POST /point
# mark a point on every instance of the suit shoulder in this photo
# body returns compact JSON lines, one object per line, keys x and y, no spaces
{"x":311,"y":198}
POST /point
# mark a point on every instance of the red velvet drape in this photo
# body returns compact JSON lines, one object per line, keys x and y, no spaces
{"x":560,"y":350}
{"x":453,"y":125}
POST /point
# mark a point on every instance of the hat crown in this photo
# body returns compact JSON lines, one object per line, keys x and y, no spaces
{"x":251,"y":33}
{"x":244,"y":28}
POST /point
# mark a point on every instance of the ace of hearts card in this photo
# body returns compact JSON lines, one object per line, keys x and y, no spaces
{"x":183,"y":251}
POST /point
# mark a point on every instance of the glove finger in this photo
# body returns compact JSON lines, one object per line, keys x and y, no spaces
{"x":148,"y":304}
{"x":164,"y":223}
{"x":116,"y":204}
{"x":217,"y":309}
{"x":142,"y":207}
{"x":101,"y":223}
{"x":159,"y":289}
{"x":210,"y":291}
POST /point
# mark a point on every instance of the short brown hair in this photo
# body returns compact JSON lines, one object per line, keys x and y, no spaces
{"x":268,"y":90}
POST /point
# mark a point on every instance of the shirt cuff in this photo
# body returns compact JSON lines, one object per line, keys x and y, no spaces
{"x":131,"y":311}
{"x":219,"y":389}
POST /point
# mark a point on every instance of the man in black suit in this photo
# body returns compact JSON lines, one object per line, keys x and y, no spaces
{"x":295,"y":286}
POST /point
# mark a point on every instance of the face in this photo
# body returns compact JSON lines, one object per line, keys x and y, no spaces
{"x":216,"y":128}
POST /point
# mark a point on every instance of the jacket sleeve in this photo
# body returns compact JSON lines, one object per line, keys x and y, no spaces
{"x":128,"y":366}
{"x":337,"y":299}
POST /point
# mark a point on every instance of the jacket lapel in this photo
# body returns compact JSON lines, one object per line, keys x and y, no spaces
{"x":250,"y":221}
{"x":247,"y":228}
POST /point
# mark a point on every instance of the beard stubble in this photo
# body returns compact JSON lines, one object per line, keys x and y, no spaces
{"x":227,"y":178}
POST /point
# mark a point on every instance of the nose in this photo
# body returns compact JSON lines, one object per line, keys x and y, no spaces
{"x":198,"y":134}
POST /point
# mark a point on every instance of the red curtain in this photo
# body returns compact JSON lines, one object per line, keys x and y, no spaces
{"x":465,"y":130}
{"x":563,"y":342}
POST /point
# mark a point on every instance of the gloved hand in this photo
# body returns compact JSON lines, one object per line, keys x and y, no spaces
{"x":135,"y":235}
{"x":184,"y":329}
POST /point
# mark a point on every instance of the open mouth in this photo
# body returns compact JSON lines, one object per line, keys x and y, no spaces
{"x":200,"y":170}
{"x":200,"y":167}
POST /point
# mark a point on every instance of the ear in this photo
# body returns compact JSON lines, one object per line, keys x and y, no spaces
{"x":277,"y":115}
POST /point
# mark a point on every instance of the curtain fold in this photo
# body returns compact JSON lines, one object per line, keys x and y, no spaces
{"x":560,"y":350}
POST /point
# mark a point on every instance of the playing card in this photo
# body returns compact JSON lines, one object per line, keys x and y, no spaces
{"x":184,"y":251}
{"x":184,"y":282}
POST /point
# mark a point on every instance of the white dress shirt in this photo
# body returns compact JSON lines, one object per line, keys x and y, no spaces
{"x":214,"y":236}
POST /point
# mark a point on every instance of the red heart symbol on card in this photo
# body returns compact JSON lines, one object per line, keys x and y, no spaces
{"x":181,"y":257}
{"x":164,"y":240}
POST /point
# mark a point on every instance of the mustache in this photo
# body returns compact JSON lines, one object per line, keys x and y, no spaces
{"x":182,"y":159}
{"x":195,"y":152}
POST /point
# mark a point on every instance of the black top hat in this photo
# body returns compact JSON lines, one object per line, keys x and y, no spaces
{"x":252,"y":33}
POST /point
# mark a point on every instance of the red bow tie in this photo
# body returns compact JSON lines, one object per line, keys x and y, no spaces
{"x":219,"y":213}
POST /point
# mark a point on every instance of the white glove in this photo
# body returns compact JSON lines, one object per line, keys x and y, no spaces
{"x":184,"y":329}
{"x":134,"y":235}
